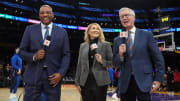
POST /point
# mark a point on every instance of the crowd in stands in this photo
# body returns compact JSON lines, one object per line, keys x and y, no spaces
{"x":171,"y":80}
{"x":5,"y":75}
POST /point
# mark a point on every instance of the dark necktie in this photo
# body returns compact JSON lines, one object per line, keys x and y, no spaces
{"x":130,"y":43}
{"x":46,"y":33}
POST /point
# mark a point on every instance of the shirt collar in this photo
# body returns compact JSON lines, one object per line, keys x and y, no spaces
{"x":43,"y":25}
{"x":133,"y":30}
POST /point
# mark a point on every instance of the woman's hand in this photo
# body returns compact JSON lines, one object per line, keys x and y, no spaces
{"x":79,"y":89}
{"x":99,"y":58}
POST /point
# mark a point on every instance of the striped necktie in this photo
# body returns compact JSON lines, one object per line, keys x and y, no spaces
{"x":130,"y":43}
{"x":46,"y":33}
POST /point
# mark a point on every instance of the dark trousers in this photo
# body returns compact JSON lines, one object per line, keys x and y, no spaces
{"x":134,"y":93}
{"x":92,"y":92}
{"x":33,"y":92}
{"x":170,"y":86}
{"x":13,"y":83}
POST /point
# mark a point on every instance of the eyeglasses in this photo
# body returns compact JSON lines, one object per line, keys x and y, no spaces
{"x":126,"y":16}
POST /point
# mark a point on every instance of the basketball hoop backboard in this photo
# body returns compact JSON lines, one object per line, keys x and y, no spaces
{"x":166,"y":41}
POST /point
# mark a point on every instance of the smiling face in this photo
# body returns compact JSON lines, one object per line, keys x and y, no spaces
{"x":46,"y":15}
{"x":94,"y":32}
{"x":127,"y":19}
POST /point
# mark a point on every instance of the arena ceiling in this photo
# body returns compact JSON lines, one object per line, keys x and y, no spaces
{"x":136,"y":4}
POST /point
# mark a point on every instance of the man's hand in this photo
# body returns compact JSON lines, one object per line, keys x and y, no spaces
{"x":54,"y":79}
{"x":155,"y":86}
{"x":122,"y":49}
{"x":39,"y":55}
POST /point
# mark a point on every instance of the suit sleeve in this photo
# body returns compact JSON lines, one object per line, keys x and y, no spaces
{"x":117,"y":61}
{"x":108,"y":59}
{"x":65,"y":60}
{"x":25,"y":45}
{"x":157,"y":58}
{"x":78,"y":68}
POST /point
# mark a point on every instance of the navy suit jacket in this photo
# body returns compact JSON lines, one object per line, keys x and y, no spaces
{"x":145,"y":55}
{"x":57,"y":56}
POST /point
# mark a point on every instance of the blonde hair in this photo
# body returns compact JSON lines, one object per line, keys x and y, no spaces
{"x":101,"y":34}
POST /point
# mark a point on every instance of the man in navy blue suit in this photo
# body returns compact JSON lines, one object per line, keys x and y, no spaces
{"x":136,"y":57}
{"x":46,"y":63}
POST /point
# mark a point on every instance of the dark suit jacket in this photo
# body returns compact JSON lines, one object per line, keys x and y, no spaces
{"x":145,"y":55}
{"x":99,"y":70}
{"x":57,"y":55}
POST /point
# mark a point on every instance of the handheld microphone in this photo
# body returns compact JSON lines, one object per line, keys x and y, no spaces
{"x":94,"y":47}
{"x":47,"y":42}
{"x":124,"y":35}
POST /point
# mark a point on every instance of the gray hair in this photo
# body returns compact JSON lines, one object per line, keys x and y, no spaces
{"x":126,"y":8}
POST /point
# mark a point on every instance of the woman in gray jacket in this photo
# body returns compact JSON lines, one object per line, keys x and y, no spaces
{"x":95,"y":55}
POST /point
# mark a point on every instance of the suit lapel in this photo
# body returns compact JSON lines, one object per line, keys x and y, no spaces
{"x":86,"y":53}
{"x":39,"y":34}
{"x":136,"y":38}
{"x":99,"y":47}
{"x":53,"y":33}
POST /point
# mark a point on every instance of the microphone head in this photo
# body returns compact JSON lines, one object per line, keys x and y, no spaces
{"x":93,"y":46}
{"x":47,"y":41}
{"x":48,"y":38}
{"x":123,"y":34}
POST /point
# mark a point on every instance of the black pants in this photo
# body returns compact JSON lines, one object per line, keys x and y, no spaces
{"x":92,"y":92}
{"x":134,"y":93}
{"x":170,"y":86}
{"x":13,"y":83}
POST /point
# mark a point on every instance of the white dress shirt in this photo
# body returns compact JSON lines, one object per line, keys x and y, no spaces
{"x":43,"y":29}
{"x":133,"y":30}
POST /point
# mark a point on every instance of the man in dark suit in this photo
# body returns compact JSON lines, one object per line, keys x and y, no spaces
{"x":46,"y":65}
{"x":136,"y":58}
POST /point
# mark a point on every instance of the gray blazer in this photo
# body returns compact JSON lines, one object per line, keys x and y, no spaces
{"x":99,"y":70}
